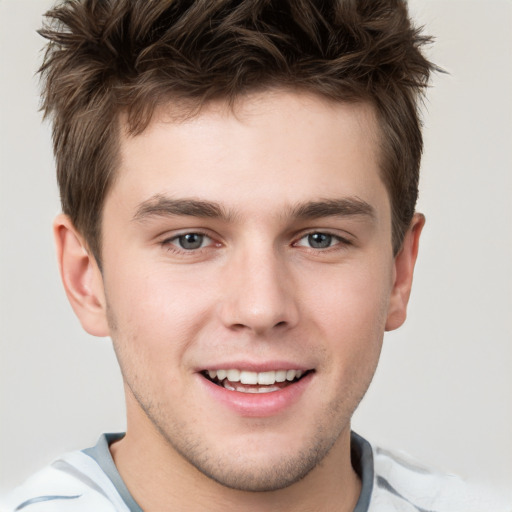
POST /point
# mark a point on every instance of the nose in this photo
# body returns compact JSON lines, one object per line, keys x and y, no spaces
{"x":259,"y":294}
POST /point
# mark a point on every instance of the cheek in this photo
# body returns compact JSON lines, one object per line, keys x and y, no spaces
{"x":350,"y":310}
{"x":156,"y":299}
{"x":351,"y":294}
{"x":154,"y":318}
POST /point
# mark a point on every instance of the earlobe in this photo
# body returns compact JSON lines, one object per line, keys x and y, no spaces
{"x":81,"y":277}
{"x":404,"y":270}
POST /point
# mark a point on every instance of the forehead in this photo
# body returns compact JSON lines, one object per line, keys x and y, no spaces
{"x":269,"y":146}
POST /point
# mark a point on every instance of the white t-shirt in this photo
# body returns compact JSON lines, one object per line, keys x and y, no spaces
{"x":88,"y":481}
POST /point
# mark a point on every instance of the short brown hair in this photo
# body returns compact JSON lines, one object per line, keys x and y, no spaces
{"x":107,"y":57}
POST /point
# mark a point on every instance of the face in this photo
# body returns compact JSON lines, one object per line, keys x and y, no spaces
{"x":247,"y":273}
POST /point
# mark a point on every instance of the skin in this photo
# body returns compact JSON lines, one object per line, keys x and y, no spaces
{"x":255,"y":292}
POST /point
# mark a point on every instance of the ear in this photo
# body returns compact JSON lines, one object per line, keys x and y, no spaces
{"x":403,"y":272}
{"x":81,"y":277}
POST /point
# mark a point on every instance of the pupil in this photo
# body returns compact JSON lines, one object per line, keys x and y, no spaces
{"x":191,"y":241}
{"x":319,"y":240}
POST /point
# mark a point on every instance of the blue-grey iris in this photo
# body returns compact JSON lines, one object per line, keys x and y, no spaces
{"x":191,"y":241}
{"x":319,"y":240}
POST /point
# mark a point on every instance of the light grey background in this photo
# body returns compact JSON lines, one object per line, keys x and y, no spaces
{"x":443,"y":391}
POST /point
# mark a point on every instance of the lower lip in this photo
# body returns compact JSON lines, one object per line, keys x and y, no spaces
{"x":258,"y":405}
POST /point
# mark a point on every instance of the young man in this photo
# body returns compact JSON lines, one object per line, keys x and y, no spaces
{"x":238,"y":181}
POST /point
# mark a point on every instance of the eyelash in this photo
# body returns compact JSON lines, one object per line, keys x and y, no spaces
{"x":168,"y":243}
{"x":340,"y":242}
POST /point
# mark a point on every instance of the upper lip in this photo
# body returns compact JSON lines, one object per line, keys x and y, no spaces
{"x":255,"y":366}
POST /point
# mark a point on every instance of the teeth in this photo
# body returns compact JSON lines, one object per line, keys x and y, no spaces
{"x":233,"y":375}
{"x":253,"y":378}
{"x":254,"y":390}
{"x":248,"y":377}
{"x":227,"y":385}
{"x":280,"y":375}
{"x":266,"y":378}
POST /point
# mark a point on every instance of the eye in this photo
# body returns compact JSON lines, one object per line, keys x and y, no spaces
{"x":190,"y":241}
{"x":319,"y":240}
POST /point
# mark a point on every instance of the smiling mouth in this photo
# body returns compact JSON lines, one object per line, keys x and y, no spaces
{"x":254,"y":382}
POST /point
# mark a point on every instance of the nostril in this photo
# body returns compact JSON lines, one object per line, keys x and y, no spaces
{"x":238,"y":327}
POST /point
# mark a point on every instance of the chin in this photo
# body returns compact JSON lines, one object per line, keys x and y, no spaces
{"x":262,"y":468}
{"x":249,"y":477}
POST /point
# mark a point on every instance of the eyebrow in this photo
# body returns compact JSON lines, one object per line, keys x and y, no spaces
{"x":163,"y":206}
{"x":346,"y":207}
